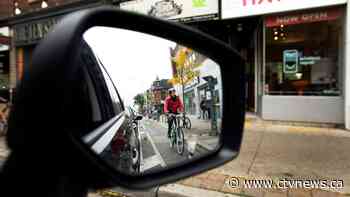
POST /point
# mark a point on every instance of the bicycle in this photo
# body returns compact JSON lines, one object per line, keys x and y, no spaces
{"x":163,"y":118}
{"x":176,"y":134}
{"x":186,"y":122}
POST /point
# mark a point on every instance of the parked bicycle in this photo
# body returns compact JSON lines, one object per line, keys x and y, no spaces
{"x":186,"y":122}
{"x":176,"y":133}
{"x":163,"y":118}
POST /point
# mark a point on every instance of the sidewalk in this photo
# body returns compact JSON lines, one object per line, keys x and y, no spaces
{"x":277,"y":151}
{"x":272,"y":151}
{"x":202,"y":129}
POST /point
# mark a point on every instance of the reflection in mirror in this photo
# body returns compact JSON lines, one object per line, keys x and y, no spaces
{"x":154,"y":103}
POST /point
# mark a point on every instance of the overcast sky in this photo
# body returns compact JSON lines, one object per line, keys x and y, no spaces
{"x":133,"y":59}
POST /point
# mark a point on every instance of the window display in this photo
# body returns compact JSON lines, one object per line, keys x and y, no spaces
{"x":4,"y":75}
{"x":304,"y":58}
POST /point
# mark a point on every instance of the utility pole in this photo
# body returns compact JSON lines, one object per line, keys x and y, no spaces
{"x":211,"y":84}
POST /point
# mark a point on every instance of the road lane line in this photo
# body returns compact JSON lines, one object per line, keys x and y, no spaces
{"x":161,"y":160}
{"x":150,"y":162}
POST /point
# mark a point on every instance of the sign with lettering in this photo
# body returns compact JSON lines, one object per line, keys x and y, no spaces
{"x":241,"y":8}
{"x":299,"y":18}
{"x":290,"y":61}
{"x":33,"y":32}
{"x":178,"y":10}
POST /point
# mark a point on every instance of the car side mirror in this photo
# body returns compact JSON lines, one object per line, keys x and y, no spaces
{"x":95,"y":63}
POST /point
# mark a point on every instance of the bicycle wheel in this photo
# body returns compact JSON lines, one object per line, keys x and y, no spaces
{"x":135,"y":147}
{"x":172,"y":137}
{"x":187,"y":123}
{"x":180,"y":141}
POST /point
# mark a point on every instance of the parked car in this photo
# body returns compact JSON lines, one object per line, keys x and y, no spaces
{"x":122,"y":148}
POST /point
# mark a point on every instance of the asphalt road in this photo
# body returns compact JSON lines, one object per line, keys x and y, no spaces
{"x":156,"y":149}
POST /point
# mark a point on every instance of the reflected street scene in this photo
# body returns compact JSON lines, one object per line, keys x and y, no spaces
{"x":164,"y":100}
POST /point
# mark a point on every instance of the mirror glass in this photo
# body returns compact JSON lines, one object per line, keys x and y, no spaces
{"x":154,"y":103}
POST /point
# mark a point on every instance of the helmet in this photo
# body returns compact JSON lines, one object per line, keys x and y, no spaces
{"x":171,"y":90}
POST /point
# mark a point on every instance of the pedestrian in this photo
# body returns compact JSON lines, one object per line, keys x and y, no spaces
{"x":203,"y":108}
{"x":208,"y":108}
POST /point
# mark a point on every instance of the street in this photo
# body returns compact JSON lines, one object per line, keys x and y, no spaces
{"x":156,"y":150}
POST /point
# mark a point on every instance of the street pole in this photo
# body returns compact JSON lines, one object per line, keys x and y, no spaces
{"x":211,"y":84}
{"x":183,"y":92}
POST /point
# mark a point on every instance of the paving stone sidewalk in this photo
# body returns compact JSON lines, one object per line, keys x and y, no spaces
{"x":277,"y":151}
{"x":213,"y":181}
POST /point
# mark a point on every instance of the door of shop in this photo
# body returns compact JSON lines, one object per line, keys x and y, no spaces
{"x":259,"y":66}
{"x":247,"y":48}
{"x":243,"y":38}
{"x":249,"y":54}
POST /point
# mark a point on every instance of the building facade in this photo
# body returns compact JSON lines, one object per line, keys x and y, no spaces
{"x":25,"y":23}
{"x":297,"y":66}
{"x":204,"y":88}
{"x":299,"y":58}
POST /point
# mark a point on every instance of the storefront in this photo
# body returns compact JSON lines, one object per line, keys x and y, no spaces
{"x":4,"y":63}
{"x":299,"y":58}
{"x":303,"y":66}
{"x":190,"y":102}
{"x":30,"y":28}
{"x":26,"y":37}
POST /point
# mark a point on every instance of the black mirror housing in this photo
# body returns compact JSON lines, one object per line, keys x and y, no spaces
{"x":46,"y":91}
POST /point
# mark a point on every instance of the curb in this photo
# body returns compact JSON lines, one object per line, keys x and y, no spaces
{"x":202,"y":147}
{"x":187,"y":191}
{"x":259,"y":120}
{"x":124,"y":192}
{"x":310,"y":130}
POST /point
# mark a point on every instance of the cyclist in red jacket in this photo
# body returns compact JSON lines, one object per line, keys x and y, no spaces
{"x":172,"y":105}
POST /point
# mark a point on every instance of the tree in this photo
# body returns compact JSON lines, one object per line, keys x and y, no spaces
{"x":139,"y":100}
{"x":185,"y":69}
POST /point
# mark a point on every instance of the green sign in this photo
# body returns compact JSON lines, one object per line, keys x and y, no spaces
{"x":290,"y":61}
{"x":199,"y":3}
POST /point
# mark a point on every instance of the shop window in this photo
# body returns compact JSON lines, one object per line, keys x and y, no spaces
{"x":304,"y":59}
{"x":4,"y":75}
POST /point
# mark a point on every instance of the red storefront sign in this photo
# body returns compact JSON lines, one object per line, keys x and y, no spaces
{"x":4,"y":40}
{"x":305,"y":17}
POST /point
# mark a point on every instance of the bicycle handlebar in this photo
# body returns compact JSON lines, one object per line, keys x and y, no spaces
{"x":174,"y":114}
